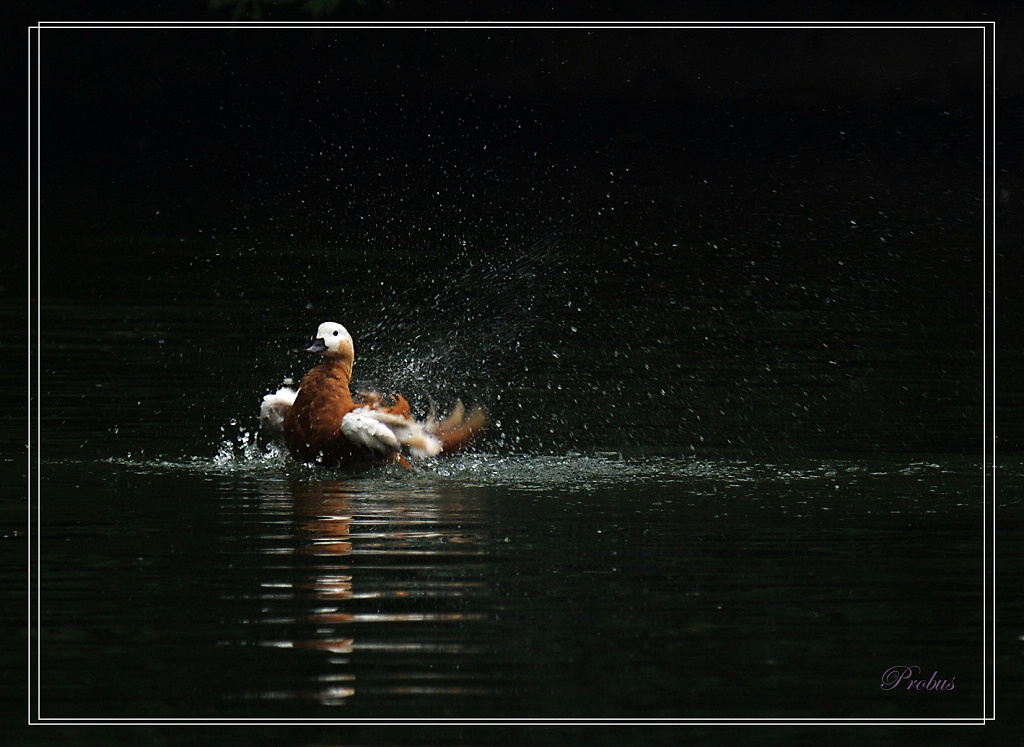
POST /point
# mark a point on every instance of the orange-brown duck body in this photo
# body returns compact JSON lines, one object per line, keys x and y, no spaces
{"x":324,"y":423}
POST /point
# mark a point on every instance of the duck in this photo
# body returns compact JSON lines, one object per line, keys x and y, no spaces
{"x":323,"y":422}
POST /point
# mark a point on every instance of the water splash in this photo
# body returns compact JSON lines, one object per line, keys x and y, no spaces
{"x":242,"y":452}
{"x":239,"y":451}
{"x":470,"y":323}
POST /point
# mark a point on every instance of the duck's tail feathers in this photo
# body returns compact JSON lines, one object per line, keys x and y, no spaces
{"x":459,"y":428}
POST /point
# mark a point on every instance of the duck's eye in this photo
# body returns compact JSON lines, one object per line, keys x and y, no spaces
{"x":335,"y":333}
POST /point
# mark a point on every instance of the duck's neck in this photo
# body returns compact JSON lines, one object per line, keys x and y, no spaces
{"x":339,"y":372}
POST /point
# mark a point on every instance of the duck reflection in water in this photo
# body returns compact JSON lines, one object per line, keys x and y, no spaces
{"x":386,"y":582}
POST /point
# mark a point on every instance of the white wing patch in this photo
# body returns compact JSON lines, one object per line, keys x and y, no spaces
{"x":386,"y":433}
{"x":273,"y":411}
{"x":360,"y":427}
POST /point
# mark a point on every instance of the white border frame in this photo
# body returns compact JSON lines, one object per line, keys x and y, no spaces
{"x":34,"y":518}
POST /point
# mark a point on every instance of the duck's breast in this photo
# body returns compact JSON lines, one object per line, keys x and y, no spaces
{"x":313,"y":424}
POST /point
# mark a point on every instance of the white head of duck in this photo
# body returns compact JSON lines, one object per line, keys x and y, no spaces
{"x":332,"y":340}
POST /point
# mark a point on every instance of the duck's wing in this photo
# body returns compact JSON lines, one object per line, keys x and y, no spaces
{"x":395,"y":404}
{"x":458,"y":428}
{"x":273,"y":411}
{"x":362,"y":428}
{"x":387,"y":433}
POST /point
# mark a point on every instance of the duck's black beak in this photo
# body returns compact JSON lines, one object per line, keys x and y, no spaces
{"x":318,"y":346}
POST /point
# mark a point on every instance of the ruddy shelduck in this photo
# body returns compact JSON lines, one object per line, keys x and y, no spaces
{"x":323,"y":422}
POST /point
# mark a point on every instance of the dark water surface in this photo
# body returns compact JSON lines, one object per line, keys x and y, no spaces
{"x":732,"y":349}
{"x":576,"y":586}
